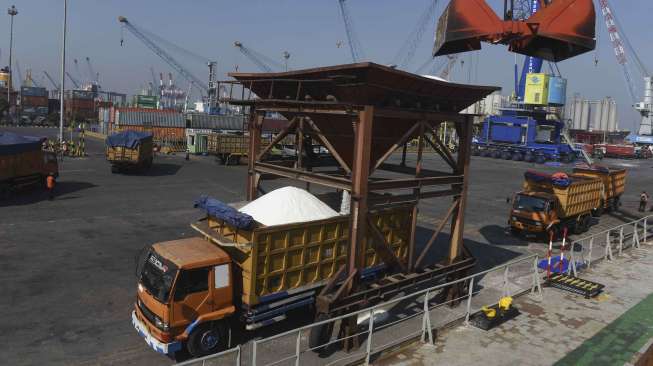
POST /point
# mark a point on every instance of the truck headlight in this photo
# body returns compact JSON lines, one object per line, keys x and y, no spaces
{"x":160,"y":324}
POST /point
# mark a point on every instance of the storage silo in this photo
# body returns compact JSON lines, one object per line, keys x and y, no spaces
{"x":605,"y":114}
{"x":577,"y":113}
{"x":613,"y":121}
{"x":585,"y":115}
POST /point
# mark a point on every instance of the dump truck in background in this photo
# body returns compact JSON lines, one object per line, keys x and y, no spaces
{"x":549,"y":203}
{"x":614,"y":185}
{"x":24,"y":163}
{"x":229,"y":148}
{"x":130,"y":150}
{"x":241,"y":276}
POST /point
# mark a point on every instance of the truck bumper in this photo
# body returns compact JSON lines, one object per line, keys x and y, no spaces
{"x":520,"y":226}
{"x":164,"y":348}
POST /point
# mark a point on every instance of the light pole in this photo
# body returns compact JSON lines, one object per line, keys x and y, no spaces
{"x":63,"y":71}
{"x":11,"y":11}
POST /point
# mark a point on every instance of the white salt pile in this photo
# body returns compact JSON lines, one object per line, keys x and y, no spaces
{"x":287,"y":205}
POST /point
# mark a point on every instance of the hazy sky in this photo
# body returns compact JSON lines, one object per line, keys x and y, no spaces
{"x":310,"y":30}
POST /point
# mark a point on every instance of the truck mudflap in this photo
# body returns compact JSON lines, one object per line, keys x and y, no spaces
{"x":160,"y":347}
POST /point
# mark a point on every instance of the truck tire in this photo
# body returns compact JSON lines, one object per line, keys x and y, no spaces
{"x":320,"y":334}
{"x":485,"y":153}
{"x":517,"y":156}
{"x":528,"y":157}
{"x":540,"y":159}
{"x":207,"y":338}
{"x":506,"y":155}
{"x":496,"y":154}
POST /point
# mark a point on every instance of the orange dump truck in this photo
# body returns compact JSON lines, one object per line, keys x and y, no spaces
{"x":548,"y":203}
{"x":23,"y":162}
{"x":193,"y":293}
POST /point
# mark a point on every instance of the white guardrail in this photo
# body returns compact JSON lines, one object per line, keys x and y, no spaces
{"x":424,"y":311}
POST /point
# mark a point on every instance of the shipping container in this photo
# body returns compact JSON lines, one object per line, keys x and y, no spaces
{"x":537,"y":89}
{"x":145,"y":117}
{"x":216,"y":122}
{"x":33,"y":101}
{"x":33,"y":91}
{"x":557,"y":91}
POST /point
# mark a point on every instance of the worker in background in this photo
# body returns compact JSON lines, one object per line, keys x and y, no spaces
{"x":643,"y":200}
{"x":50,"y":183}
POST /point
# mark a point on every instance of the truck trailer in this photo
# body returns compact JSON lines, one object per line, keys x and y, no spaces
{"x":549,"y":203}
{"x":24,"y":163}
{"x":130,"y":150}
{"x":614,"y":185}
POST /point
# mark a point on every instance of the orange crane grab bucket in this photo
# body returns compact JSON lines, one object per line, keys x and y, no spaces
{"x":558,"y":31}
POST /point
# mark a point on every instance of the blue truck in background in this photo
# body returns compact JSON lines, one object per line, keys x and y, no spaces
{"x":523,"y":135}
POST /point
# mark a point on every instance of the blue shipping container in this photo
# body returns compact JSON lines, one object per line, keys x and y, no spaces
{"x":557,"y":91}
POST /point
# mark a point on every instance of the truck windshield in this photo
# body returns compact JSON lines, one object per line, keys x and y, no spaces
{"x":528,"y":203}
{"x":157,"y":276}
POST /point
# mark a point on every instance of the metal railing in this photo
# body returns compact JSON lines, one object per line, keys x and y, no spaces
{"x":420,"y":312}
{"x":228,"y":357}
{"x":605,"y":244}
{"x":424,"y":311}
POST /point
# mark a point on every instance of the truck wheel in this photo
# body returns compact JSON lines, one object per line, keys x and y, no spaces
{"x":320,"y":334}
{"x":528,"y":157}
{"x":485,"y":153}
{"x":506,"y":155}
{"x":517,"y":156}
{"x":540,"y":159}
{"x":496,"y":154}
{"x":207,"y":339}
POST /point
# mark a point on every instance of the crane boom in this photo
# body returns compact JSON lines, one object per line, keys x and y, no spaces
{"x":54,"y":84}
{"x":406,"y":53}
{"x":263,"y":62}
{"x":93,"y":76}
{"x":72,"y":80}
{"x":354,"y":44}
{"x":164,"y":55}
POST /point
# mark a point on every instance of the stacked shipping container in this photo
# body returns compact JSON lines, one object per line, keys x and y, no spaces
{"x":33,"y":101}
{"x":168,"y":127}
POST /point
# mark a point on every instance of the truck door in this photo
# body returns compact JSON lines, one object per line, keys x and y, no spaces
{"x":222,"y":288}
{"x":191,"y":297}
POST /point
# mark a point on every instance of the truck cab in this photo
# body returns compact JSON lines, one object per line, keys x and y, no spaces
{"x":533,"y":212}
{"x":184,"y":297}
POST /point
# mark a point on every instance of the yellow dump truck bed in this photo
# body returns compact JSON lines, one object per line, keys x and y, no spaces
{"x":230,"y":144}
{"x":290,"y":257}
{"x":581,"y":196}
{"x":141,"y":153}
{"x":614,"y":180}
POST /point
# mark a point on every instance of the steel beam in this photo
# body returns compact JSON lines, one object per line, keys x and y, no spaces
{"x":320,"y":136}
{"x":415,"y":182}
{"x":304,"y":176}
{"x":280,"y":136}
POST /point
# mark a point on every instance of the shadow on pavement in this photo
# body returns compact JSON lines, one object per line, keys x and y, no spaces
{"x":37,"y":194}
{"x":157,"y":170}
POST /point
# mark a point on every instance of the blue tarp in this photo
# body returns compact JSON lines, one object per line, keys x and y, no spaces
{"x":558,"y":180}
{"x":11,"y":143}
{"x":128,"y":139}
{"x":224,"y":212}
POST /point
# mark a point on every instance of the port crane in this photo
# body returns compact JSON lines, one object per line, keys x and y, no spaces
{"x":73,"y":80}
{"x":266,"y":64}
{"x":406,"y":53}
{"x":152,"y":45}
{"x":54,"y":84}
{"x":627,"y":57}
{"x":94,"y":77}
{"x":352,"y":39}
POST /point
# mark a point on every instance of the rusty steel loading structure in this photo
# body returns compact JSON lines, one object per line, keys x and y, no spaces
{"x":362,"y":113}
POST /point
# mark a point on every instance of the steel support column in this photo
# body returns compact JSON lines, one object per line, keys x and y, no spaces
{"x":360,"y":175}
{"x":254,"y":128}
{"x":458,"y":223}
